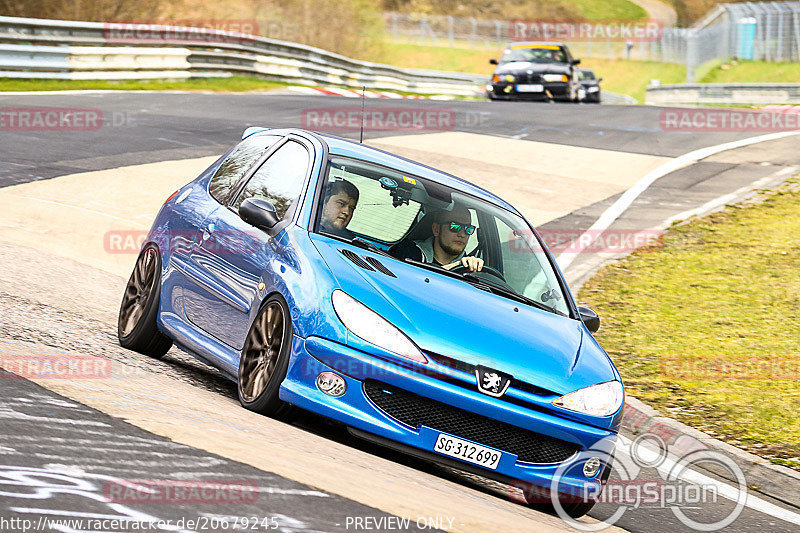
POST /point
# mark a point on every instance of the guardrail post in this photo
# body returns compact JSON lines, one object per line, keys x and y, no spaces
{"x":450,"y":30}
{"x":474,"y":35}
{"x":691,"y":54}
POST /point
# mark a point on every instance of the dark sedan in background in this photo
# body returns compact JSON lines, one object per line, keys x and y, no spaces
{"x":535,"y":71}
{"x":590,"y":85}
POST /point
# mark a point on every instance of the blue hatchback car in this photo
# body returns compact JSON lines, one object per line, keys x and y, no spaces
{"x":421,"y":311}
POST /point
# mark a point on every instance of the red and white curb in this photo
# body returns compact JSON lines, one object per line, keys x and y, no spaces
{"x":354,"y":93}
{"x":783,"y":108}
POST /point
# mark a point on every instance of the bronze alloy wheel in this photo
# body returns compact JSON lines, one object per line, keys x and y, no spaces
{"x":137,"y":292}
{"x":137,"y":326}
{"x":262,"y":351}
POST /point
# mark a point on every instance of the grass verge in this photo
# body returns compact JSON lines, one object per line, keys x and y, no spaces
{"x":704,"y":327}
{"x":755,"y":72}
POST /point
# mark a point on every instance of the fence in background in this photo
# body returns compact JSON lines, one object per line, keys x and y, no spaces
{"x":767,"y":31}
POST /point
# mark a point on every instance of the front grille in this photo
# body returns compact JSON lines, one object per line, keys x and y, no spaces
{"x":470,"y":369}
{"x":414,"y":410}
{"x":530,"y":78}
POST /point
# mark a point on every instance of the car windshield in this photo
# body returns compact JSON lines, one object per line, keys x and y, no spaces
{"x":586,"y":75}
{"x":534,"y":54}
{"x":394,"y":213}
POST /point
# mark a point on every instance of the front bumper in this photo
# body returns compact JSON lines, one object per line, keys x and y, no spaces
{"x":443,"y":384}
{"x":509,"y":91}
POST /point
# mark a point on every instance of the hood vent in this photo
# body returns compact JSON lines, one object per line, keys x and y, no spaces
{"x":370,"y":264}
{"x":380,"y":267}
{"x":355,"y":258}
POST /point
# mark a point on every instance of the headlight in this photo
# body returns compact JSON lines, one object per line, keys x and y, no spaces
{"x":556,"y":77}
{"x":593,"y":89}
{"x":603,"y":399}
{"x":509,"y":78}
{"x":370,"y":326}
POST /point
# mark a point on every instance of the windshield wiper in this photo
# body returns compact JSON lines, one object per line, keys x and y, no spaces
{"x":361,"y":243}
{"x":434,"y":268}
{"x":485,"y":285}
{"x":509,"y":293}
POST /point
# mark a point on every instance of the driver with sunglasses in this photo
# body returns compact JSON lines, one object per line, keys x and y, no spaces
{"x":451,"y":233}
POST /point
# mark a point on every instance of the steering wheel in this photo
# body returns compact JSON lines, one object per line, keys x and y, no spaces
{"x":485,"y":272}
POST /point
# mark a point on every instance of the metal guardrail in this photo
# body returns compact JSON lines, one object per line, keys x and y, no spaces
{"x":100,"y":50}
{"x":724,"y":93}
{"x":60,"y":49}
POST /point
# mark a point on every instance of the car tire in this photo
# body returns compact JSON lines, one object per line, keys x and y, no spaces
{"x":136,"y":326}
{"x":265,"y":359}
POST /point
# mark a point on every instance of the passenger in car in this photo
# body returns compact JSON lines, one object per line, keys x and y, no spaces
{"x":341,"y":198}
{"x":451,"y":233}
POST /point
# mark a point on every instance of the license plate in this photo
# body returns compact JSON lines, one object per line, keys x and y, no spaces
{"x":530,"y":88}
{"x":467,"y":451}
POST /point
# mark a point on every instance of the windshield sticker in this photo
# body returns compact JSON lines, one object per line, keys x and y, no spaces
{"x":412,"y":181}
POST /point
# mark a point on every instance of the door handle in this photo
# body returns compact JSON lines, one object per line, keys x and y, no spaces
{"x":207,"y":233}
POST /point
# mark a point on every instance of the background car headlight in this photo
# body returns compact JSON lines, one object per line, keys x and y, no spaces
{"x":556,"y":77}
{"x":603,"y":399}
{"x":370,"y":326}
{"x":593,"y":89}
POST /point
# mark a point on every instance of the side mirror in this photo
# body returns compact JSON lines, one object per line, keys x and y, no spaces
{"x":576,"y":61}
{"x":493,"y":62}
{"x":590,"y":318}
{"x":599,"y":80}
{"x":259,"y":213}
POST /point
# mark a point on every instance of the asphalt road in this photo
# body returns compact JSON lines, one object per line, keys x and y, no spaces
{"x":46,"y":436}
{"x":76,"y":466}
{"x":142,"y":128}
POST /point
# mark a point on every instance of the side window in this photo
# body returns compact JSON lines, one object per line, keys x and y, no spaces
{"x":237,"y":163}
{"x":279,"y":179}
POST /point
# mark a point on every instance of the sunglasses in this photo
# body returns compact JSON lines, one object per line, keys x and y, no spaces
{"x":455,"y":227}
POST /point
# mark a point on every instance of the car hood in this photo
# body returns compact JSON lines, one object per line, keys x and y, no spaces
{"x":518,"y":67}
{"x":450,"y":317}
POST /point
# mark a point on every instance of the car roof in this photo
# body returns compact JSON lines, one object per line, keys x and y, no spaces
{"x":530,"y":43}
{"x":347,"y":148}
